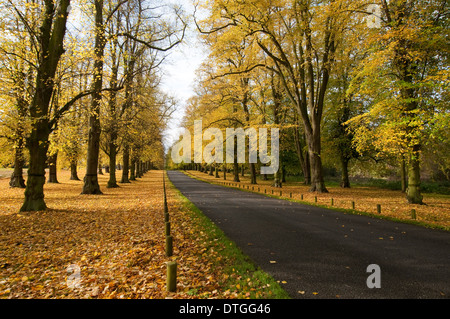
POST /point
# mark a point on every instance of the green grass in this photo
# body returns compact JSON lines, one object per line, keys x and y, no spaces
{"x":242,"y":275}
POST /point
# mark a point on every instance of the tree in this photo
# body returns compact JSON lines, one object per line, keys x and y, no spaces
{"x":300,"y":39}
{"x":410,"y":57}
{"x":50,"y":45}
{"x":91,"y":185}
{"x":18,"y":71}
{"x":157,"y":36}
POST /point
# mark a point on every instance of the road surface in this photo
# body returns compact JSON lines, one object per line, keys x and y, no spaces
{"x":321,"y":253}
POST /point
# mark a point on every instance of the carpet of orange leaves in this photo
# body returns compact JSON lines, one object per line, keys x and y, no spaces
{"x":436,"y":212}
{"x":102,"y":246}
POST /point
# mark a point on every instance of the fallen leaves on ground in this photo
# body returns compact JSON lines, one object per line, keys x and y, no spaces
{"x":105,"y":246}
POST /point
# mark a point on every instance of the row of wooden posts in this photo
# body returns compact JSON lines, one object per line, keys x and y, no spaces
{"x":413,"y":211}
{"x":171,"y":280}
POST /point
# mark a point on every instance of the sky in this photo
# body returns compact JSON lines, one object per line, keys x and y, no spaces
{"x":180,"y":73}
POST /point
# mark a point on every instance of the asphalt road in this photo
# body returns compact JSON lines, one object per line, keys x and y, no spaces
{"x":322,"y":253}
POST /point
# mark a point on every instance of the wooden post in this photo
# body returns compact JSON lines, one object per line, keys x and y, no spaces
{"x":166,"y":209}
{"x":169,"y":246}
{"x":281,"y":193}
{"x":290,"y":195}
{"x":167,"y":228}
{"x":378,"y":208}
{"x":172,"y":276}
{"x":413,"y":214}
{"x":301,"y":196}
{"x":332,"y":202}
{"x":315,"y":199}
{"x":353,"y":205}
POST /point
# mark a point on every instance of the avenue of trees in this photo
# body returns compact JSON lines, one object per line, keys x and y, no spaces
{"x":356,"y":86}
{"x":80,"y":83}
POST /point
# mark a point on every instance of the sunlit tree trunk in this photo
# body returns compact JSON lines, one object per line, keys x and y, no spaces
{"x":51,"y":38}
{"x":91,"y":185}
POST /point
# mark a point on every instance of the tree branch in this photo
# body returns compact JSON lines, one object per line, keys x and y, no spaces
{"x":71,"y":102}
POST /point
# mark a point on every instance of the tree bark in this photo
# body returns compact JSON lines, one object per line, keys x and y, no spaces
{"x":403,"y":175}
{"x":314,"y":150}
{"x":345,"y":181}
{"x":216,"y":171}
{"x":112,"y":182}
{"x":126,"y":160}
{"x":138,"y":169}
{"x":236,"y":170}
{"x":34,"y":192}
{"x":51,"y":41}
{"x":413,"y":193}
{"x":73,"y":171}
{"x":17,"y":179}
{"x":91,"y":185}
{"x":253,"y":173}
{"x":303,"y":160}
{"x":277,"y":178}
{"x":133,"y":169}
{"x":52,"y":168}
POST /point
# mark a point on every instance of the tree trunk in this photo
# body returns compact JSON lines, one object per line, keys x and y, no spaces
{"x":52,"y":160}
{"x":277,"y":177}
{"x":73,"y":171}
{"x":216,"y":171}
{"x":236,"y":170}
{"x":112,"y":183}
{"x":38,"y":146}
{"x":235,"y":162}
{"x":345,"y":181}
{"x":314,"y":147}
{"x":224,"y":173}
{"x":138,"y":169}
{"x":304,"y":160}
{"x":91,"y":185}
{"x":126,"y":159}
{"x":403,"y":175}
{"x":413,"y":193}
{"x":253,"y":173}
{"x":17,"y":179}
{"x":307,"y":170}
{"x":133,"y":170}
